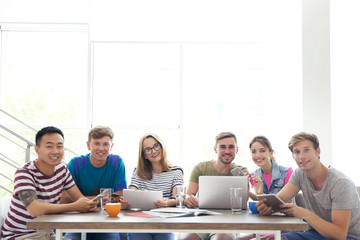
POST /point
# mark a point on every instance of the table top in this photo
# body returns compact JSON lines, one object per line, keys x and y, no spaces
{"x":225,"y":221}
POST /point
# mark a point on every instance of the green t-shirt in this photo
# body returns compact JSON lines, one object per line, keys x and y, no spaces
{"x":207,"y":169}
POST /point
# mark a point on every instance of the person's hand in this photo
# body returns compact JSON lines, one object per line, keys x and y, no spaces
{"x":291,"y":209}
{"x":258,"y":184}
{"x":85,"y":205}
{"x":191,"y":201}
{"x":162,"y":203}
{"x":263,"y":208}
{"x":124,"y":204}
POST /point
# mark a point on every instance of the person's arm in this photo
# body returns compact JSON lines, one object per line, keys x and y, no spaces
{"x":252,"y":196}
{"x":337,"y":229}
{"x":191,"y":201}
{"x":286,"y":193}
{"x":37,"y":208}
{"x":289,"y":172}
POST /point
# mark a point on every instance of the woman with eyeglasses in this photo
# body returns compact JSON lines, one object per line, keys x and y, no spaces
{"x":154,"y":172}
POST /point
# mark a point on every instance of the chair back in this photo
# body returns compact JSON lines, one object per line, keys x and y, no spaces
{"x":4,"y":208}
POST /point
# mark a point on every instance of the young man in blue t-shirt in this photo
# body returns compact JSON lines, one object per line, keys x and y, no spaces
{"x":98,"y":169}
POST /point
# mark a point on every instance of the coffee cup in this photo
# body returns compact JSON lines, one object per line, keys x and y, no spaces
{"x":113,"y":209}
{"x":253,"y":208}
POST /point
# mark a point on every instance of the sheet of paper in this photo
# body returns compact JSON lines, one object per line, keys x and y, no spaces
{"x":140,"y":214}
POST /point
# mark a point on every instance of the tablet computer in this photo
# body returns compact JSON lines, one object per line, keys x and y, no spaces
{"x":272,"y":200}
{"x":142,"y":200}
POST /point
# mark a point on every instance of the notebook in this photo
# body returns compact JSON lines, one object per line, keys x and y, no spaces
{"x":141,"y":200}
{"x":214,"y":191}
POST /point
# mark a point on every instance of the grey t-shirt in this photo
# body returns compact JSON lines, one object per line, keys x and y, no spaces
{"x":338,"y":192}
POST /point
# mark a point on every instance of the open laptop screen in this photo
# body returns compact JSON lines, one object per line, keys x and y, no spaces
{"x":214,"y":191}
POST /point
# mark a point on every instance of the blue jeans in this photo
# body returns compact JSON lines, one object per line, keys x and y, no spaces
{"x":307,"y":235}
{"x":151,"y":236}
{"x":94,"y":236}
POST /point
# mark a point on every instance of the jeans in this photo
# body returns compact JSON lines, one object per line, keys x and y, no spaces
{"x":94,"y":236}
{"x":151,"y":236}
{"x":308,"y":235}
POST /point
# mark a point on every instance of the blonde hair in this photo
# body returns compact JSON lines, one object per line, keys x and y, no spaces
{"x":100,"y":132}
{"x":223,"y":135}
{"x":144,"y":166}
{"x":302,"y":136}
{"x":265,"y":142}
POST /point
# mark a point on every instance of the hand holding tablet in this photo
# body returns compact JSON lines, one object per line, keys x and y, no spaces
{"x":272,"y":200}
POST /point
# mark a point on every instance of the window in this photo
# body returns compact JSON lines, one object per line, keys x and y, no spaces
{"x":44,"y":77}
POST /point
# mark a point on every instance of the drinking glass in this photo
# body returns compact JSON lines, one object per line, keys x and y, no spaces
{"x":106,"y":192}
{"x":236,"y":200}
{"x":180,"y":195}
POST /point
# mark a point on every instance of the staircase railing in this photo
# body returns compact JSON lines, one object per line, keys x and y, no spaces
{"x":29,"y":144}
{"x":27,"y":149}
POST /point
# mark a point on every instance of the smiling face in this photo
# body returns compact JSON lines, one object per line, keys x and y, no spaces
{"x":226,"y":150}
{"x":50,"y":151}
{"x":156,"y":155}
{"x":99,"y":150}
{"x":261,"y":155}
{"x":305,"y":155}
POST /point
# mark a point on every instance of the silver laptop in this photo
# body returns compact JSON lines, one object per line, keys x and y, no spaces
{"x":214,"y":191}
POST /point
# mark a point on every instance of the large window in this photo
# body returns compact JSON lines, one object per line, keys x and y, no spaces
{"x":186,"y":89}
{"x":44,"y":77}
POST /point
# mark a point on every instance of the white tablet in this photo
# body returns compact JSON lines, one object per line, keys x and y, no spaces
{"x":272,"y":200}
{"x":142,"y":200}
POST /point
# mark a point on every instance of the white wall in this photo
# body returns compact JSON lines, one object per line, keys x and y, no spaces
{"x":316,"y":74}
{"x":41,"y":11}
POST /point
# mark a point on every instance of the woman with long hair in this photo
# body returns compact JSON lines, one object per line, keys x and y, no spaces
{"x":154,"y":172}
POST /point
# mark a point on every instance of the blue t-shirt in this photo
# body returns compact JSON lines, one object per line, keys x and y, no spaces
{"x":90,"y":179}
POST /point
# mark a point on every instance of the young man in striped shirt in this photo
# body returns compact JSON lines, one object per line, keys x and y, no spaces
{"x":38,"y":186}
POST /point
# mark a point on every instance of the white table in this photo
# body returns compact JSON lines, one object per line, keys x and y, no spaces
{"x":223,"y":223}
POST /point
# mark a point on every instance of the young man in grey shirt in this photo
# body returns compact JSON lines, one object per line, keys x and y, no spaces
{"x":332,"y":205}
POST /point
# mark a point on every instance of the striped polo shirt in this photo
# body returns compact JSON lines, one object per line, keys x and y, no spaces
{"x":48,"y":189}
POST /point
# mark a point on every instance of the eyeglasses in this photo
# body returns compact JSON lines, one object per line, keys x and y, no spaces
{"x":149,"y":150}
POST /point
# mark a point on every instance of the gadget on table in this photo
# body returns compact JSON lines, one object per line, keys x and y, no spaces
{"x":98,"y":197}
{"x":236,"y":171}
{"x":115,"y":195}
{"x":214,"y":191}
{"x":142,"y":200}
{"x":273,"y":201}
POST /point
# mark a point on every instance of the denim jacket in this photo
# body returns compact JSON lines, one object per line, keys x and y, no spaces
{"x":277,"y":178}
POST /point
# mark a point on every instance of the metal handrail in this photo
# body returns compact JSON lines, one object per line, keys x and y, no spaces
{"x":6,"y":189}
{"x":27,"y":149}
{"x":8,"y":160}
{"x":6,"y":177}
{"x":18,"y":120}
{"x":17,"y":135}
{"x":29,"y":144}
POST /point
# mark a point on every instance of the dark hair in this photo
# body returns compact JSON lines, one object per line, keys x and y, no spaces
{"x":44,"y":131}
{"x":265,"y":142}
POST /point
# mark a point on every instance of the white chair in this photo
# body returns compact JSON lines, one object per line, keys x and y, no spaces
{"x":4,"y":208}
